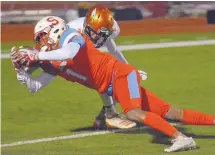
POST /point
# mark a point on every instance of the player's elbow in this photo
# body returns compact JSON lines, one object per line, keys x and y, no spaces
{"x":72,"y":50}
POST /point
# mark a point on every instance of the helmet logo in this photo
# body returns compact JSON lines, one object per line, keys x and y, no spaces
{"x":93,"y":13}
{"x":52,"y":21}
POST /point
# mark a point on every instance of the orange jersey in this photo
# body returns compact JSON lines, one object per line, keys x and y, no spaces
{"x":89,"y":67}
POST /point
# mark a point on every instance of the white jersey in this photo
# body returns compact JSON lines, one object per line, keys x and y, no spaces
{"x":78,"y":25}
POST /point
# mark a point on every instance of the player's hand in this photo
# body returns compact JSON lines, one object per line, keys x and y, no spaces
{"x":30,"y":56}
{"x":23,"y":57}
{"x":143,"y":75}
{"x":15,"y":57}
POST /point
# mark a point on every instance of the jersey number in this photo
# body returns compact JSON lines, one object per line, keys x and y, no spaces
{"x":70,"y":72}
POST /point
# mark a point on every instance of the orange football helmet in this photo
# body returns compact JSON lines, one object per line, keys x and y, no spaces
{"x":98,"y":21}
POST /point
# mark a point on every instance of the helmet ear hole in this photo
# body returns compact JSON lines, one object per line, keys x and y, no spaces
{"x":56,"y":31}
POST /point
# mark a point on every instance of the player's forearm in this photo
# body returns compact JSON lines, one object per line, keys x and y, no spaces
{"x":108,"y":104}
{"x":114,"y":51}
{"x":119,"y":56}
{"x":34,"y":84}
{"x":107,"y":100}
{"x":68,"y":51}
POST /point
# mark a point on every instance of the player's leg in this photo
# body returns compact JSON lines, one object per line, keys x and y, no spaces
{"x":154,"y":104}
{"x":108,"y":105}
{"x":109,"y":115}
{"x":151,"y":102}
{"x":191,"y":117}
{"x":127,"y":92}
{"x":99,"y":122}
{"x":181,"y":142}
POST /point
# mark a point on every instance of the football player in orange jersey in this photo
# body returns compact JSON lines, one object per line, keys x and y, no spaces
{"x":78,"y":61}
{"x":91,"y":25}
{"x":99,"y":17}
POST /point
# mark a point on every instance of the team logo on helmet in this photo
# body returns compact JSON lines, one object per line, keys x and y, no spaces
{"x":93,"y":13}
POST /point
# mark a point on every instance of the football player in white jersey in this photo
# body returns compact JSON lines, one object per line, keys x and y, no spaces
{"x":102,"y":31}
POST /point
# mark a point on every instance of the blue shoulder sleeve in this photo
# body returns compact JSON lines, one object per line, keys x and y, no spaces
{"x":71,"y":35}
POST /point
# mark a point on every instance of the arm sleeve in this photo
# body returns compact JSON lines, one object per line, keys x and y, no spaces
{"x":114,"y":51}
{"x":34,"y":84}
{"x":69,"y":51}
{"x":70,"y":43}
{"x":116,"y":30}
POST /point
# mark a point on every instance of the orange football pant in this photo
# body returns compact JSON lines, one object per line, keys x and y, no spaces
{"x":128,"y":92}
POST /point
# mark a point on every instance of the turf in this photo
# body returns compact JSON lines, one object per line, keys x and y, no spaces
{"x":182,"y":76}
{"x":124,"y":40}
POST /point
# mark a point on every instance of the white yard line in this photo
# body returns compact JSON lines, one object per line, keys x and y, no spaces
{"x":151,"y":46}
{"x":166,"y":45}
{"x":73,"y":136}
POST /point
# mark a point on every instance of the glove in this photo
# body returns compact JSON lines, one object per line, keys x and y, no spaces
{"x":22,"y":57}
{"x":143,"y":75}
{"x":15,"y":57}
{"x":29,"y":57}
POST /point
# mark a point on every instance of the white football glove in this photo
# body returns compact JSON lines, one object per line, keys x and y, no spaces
{"x":143,"y":75}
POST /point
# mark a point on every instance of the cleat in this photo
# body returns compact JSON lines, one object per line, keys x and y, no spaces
{"x":181,"y":144}
{"x":119,"y":122}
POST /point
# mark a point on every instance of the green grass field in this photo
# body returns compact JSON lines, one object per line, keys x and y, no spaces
{"x":182,"y":76}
